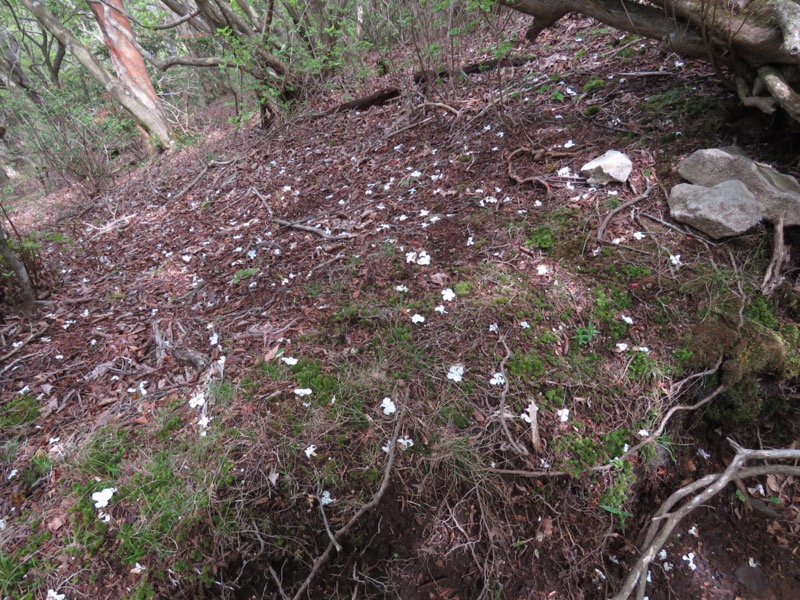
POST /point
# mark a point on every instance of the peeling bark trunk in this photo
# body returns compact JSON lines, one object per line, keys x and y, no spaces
{"x":154,"y":123}
{"x":128,"y":62}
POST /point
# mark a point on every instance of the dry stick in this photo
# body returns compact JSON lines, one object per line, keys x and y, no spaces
{"x":533,"y":413}
{"x":325,"y":521}
{"x":602,"y":229}
{"x":325,"y":264}
{"x":316,"y":230}
{"x":323,"y":558}
{"x":442,"y":105}
{"x":30,"y":338}
{"x":407,"y":127}
{"x":518,"y":448}
{"x":263,"y":200}
{"x":663,"y":522}
{"x":773,"y":275}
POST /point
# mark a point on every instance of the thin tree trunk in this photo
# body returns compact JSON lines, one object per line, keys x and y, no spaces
{"x":26,"y":287}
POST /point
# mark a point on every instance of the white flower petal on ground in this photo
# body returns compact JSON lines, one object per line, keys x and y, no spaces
{"x":385,"y":447}
{"x":470,"y":241}
{"x":497,"y":379}
{"x":563,"y":414}
{"x":311,"y":451}
{"x":326,"y":499}
{"x":662,"y":554}
{"x":448,"y":295}
{"x":525,"y":416}
{"x":424,"y":258}
{"x":524,"y":324}
{"x":388,"y":406}
{"x":417,"y":318}
{"x":102,"y":497}
{"x":456,"y":373}
{"x":493,"y":328}
{"x":198,"y":400}
{"x":441,"y":309}
{"x":302,"y":392}
{"x":638,"y":235}
{"x":569,"y":144}
{"x":676,"y":260}
{"x":401,"y":288}
{"x":693,"y":531}
{"x":622,"y":346}
{"x":627,"y":319}
{"x":703,"y":454}
{"x":542,"y":269}
{"x":411,"y":257}
{"x":289,"y":360}
{"x":405,"y":442}
{"x":690,"y":559}
{"x":416,"y":174}
{"x":643,"y":433}
{"x":52,"y":595}
{"x":644,"y":349}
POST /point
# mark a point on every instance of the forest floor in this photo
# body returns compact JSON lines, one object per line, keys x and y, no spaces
{"x":234,"y":358}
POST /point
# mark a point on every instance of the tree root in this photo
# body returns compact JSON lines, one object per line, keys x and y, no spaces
{"x":700,"y":492}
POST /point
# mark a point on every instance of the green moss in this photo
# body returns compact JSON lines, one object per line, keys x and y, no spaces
{"x":543,"y":238}
{"x":462,"y":288}
{"x":21,"y":410}
{"x":526,"y":365}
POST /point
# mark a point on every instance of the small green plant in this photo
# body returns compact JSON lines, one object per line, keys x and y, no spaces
{"x":543,"y":237}
{"x":244,"y":274}
{"x":594,"y":84}
{"x":619,"y":513}
{"x":584,"y":335}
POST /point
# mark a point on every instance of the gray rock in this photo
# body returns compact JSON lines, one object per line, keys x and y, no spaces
{"x":778,"y":193}
{"x":720,"y":211}
{"x":612,"y":166}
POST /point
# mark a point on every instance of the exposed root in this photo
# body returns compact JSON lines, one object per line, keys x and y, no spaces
{"x":773,"y":277}
{"x":602,"y":229}
{"x":701,"y":491}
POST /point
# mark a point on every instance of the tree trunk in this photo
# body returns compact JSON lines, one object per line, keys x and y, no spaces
{"x":20,"y":272}
{"x":128,"y":62}
{"x":154,"y":123}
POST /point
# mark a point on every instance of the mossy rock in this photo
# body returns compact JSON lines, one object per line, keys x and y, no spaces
{"x":709,"y":341}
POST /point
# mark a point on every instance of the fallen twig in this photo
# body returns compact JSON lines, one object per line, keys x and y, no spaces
{"x":316,"y":230}
{"x":501,"y":408}
{"x":602,"y":229}
{"x":25,"y":342}
{"x":376,"y":498}
{"x":540,"y":154}
{"x":322,"y":265}
{"x":773,"y":278}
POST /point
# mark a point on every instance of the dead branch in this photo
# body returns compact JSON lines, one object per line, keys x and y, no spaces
{"x":376,"y":498}
{"x":24,"y":343}
{"x":379,"y":98}
{"x":602,"y":229}
{"x":533,"y":415}
{"x":536,"y":156}
{"x":773,"y":277}
{"x":664,"y":522}
{"x":315,"y":230}
{"x":501,"y":407}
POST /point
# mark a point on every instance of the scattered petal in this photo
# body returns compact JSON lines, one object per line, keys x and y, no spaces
{"x":703,"y":454}
{"x":388,"y":406}
{"x":470,"y":241}
{"x":563,"y":414}
{"x":326,"y":499}
{"x":498,"y":379}
{"x":638,"y":235}
{"x":51,"y":595}
{"x":302,"y":392}
{"x":542,"y":269}
{"x":643,"y":433}
{"x":102,"y":497}
{"x":289,"y":360}
{"x":627,"y":319}
{"x":693,"y":531}
{"x":448,"y":295}
{"x":569,"y":144}
{"x":440,"y":309}
{"x":493,"y":328}
{"x":405,"y":442}
{"x":456,"y":373}
{"x":401,"y":288}
{"x":662,"y":554}
{"x":311,"y":451}
{"x":524,"y":324}
{"x":417,"y":318}
{"x":622,"y":346}
{"x":690,"y":559}
{"x":675,"y":260}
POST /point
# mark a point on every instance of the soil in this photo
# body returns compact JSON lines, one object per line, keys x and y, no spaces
{"x":164,"y":252}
